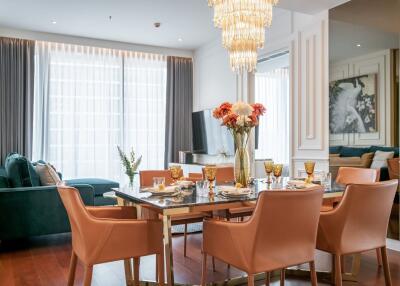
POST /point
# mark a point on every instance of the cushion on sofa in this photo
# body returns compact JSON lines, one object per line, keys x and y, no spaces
{"x":334,"y":149}
{"x":20,"y":171}
{"x":100,"y":185}
{"x":380,"y":159}
{"x":353,"y":151}
{"x":385,"y":149}
{"x":48,"y":176}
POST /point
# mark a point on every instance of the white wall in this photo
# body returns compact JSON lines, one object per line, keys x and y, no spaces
{"x":380,"y":63}
{"x":50,"y":37}
{"x":214,"y":82}
{"x":306,"y":38}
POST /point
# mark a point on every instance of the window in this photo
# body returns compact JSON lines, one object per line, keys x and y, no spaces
{"x":89,"y":100}
{"x":272,"y":90}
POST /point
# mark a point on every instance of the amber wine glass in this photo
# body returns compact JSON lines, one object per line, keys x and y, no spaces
{"x":268,"y":166}
{"x":309,"y":166}
{"x":277,"y":170}
{"x":210,"y":172}
{"x":175,"y":172}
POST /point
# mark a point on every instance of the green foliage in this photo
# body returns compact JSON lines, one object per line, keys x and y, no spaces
{"x":130,"y":164}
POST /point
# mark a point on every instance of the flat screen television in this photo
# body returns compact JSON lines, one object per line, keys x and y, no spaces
{"x":209,"y":137}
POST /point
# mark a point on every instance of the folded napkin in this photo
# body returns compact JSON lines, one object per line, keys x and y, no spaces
{"x":234,"y":191}
{"x":168,"y":189}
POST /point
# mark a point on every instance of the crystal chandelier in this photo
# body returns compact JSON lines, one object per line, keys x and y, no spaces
{"x":243,"y":25}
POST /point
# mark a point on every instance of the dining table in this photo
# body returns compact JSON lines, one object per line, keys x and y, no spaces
{"x":190,"y":200}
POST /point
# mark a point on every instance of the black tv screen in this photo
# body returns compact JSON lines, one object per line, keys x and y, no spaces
{"x":209,"y":137}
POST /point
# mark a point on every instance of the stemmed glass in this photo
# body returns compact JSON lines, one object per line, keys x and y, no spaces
{"x":175,"y":172}
{"x":210,"y":172}
{"x":309,"y":166}
{"x":277,"y":169}
{"x":268,"y":166}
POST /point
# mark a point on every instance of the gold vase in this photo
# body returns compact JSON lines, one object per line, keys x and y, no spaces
{"x":242,"y":161}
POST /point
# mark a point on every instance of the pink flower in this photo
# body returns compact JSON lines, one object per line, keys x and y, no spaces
{"x":258,"y":109}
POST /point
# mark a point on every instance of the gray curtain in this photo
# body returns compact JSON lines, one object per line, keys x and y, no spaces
{"x":16,"y":96}
{"x":178,"y":132}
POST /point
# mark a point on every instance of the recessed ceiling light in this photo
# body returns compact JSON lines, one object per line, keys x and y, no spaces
{"x":54,"y":22}
{"x":358,"y":45}
{"x":180,"y":40}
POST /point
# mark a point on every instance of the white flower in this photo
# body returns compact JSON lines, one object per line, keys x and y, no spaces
{"x":242,"y":109}
{"x":241,"y":120}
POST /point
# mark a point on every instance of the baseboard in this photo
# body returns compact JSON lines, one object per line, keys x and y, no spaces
{"x":393,"y":244}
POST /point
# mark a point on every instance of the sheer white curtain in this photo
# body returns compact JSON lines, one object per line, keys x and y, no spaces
{"x":272,"y":90}
{"x":83,"y":108}
{"x":145,"y":106}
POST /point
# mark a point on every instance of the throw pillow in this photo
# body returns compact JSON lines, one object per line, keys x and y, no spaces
{"x":380,"y":159}
{"x":20,"y":171}
{"x":386,"y":149}
{"x":48,"y":176}
{"x":353,"y":151}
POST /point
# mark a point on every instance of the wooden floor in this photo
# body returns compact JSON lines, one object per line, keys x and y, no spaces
{"x":45,"y":260}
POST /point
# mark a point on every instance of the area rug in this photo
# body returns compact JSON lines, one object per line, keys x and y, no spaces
{"x":191,"y":228}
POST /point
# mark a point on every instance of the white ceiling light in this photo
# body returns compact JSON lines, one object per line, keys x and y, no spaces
{"x":54,"y":22}
{"x":180,"y":40}
{"x":358,"y":45}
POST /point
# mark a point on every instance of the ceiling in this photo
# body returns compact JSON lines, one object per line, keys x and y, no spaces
{"x":185,"y":24}
{"x":383,"y":14}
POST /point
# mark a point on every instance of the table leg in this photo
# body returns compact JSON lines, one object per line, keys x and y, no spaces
{"x":169,"y":263}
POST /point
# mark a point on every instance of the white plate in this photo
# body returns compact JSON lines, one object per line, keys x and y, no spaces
{"x":185,"y":184}
{"x":231,"y":191}
{"x":166,"y":191}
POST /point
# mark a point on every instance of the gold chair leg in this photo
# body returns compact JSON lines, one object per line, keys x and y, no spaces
{"x":282,"y":280}
{"x":213,"y":263}
{"x":338,"y":272}
{"x":385,"y":262}
{"x":204,"y":270}
{"x":267,"y":278}
{"x":87,"y":281}
{"x":250,"y":280}
{"x":184,"y":240}
{"x":72,"y":269}
{"x":313,"y":274}
{"x":128,"y":271}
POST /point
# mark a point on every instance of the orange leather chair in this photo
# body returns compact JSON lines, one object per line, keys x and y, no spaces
{"x":358,"y":224}
{"x":104,"y":234}
{"x":272,"y":238}
{"x":195,"y":177}
{"x":146,"y":179}
{"x":351,"y":175}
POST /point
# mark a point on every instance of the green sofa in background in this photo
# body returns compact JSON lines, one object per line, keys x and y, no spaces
{"x":29,"y":209}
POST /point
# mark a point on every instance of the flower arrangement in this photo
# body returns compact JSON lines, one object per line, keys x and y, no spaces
{"x":130,"y":164}
{"x":240,"y":118}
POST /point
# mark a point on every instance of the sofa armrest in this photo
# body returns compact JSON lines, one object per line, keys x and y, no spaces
{"x":86,"y":191}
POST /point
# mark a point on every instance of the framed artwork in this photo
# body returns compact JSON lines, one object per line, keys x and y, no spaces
{"x":352,"y":104}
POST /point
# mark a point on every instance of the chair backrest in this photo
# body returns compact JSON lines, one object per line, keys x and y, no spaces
{"x":224,"y":174}
{"x":393,"y":166}
{"x":351,"y":175}
{"x":79,"y":218}
{"x":285,"y":224}
{"x":362,"y":217}
{"x":146,"y":177}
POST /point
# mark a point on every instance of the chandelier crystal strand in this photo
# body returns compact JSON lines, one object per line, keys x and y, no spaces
{"x":243,"y":25}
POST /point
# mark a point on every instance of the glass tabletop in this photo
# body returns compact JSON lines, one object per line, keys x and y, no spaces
{"x":191,"y":197}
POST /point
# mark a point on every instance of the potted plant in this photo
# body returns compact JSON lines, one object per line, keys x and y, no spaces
{"x":130,"y":163}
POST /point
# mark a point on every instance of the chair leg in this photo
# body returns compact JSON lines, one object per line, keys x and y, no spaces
{"x":160,"y":269}
{"x":128,"y":271}
{"x":213,"y":263}
{"x":313,"y":274}
{"x":342,"y":264}
{"x":204,"y":269}
{"x":379,"y":257}
{"x":338,"y":272}
{"x":184,"y":240}
{"x":388,"y":280}
{"x":250,"y":280}
{"x":267,"y":278}
{"x":136,"y":266}
{"x":72,"y":269}
{"x":282,"y":281}
{"x":87,"y":280}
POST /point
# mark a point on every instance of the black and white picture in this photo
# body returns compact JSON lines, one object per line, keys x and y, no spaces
{"x":352,"y":105}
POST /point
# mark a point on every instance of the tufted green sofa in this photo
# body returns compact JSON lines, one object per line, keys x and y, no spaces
{"x":29,"y":209}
